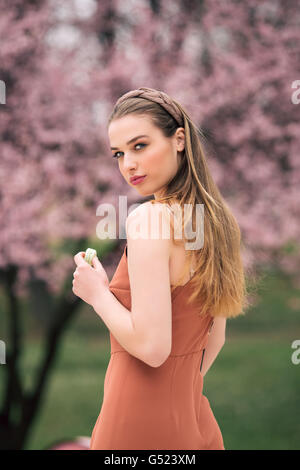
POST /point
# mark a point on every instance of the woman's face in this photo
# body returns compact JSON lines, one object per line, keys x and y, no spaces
{"x":153,"y":155}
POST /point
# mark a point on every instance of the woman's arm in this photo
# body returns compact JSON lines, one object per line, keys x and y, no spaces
{"x":118,"y":320}
{"x":216,"y":341}
{"x":145,"y":331}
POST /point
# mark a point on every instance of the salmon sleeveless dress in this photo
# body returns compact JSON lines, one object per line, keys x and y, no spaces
{"x":158,"y":408}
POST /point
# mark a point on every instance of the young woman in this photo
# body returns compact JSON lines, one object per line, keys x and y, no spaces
{"x":165,"y":304}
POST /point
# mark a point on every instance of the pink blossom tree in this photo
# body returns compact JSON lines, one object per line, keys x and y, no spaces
{"x":52,"y":179}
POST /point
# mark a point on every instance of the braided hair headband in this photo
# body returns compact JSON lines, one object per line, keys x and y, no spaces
{"x":158,"y":97}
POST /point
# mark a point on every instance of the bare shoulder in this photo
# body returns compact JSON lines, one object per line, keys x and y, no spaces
{"x":150,"y":221}
{"x":149,"y":208}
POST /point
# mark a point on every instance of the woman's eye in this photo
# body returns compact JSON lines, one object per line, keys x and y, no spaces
{"x":140,"y":144}
{"x":115,"y":154}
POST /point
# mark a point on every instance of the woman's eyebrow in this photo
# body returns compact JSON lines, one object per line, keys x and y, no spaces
{"x":131,"y":140}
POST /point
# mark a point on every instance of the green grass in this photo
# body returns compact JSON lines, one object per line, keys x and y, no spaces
{"x":74,"y":394}
{"x":253,"y":386}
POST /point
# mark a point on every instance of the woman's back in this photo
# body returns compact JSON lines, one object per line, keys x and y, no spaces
{"x":177,"y":260}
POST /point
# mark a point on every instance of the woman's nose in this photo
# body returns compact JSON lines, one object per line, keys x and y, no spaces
{"x":129,"y":161}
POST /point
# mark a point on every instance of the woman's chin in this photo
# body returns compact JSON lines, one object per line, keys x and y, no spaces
{"x":144,"y":192}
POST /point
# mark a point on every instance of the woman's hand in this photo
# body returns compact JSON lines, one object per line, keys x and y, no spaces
{"x":89,"y":282}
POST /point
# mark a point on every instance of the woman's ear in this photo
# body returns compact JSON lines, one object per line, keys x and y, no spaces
{"x":180,"y":139}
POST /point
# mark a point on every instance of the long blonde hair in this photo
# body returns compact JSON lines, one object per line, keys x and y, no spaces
{"x":219,"y":283}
